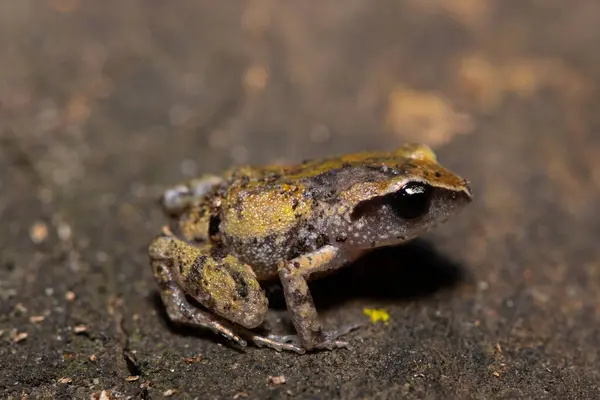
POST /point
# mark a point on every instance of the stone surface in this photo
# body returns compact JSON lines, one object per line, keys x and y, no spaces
{"x":103,"y":105}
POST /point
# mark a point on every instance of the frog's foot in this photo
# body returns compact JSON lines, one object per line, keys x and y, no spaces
{"x":329,"y":339}
{"x":176,"y":199}
{"x":325,"y":344}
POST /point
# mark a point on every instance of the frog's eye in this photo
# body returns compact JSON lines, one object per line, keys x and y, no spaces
{"x":412,"y":201}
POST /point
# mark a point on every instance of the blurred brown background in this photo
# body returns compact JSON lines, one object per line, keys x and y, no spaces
{"x":104,"y":104}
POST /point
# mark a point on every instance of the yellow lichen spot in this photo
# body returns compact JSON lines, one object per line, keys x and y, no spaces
{"x":377,"y":314}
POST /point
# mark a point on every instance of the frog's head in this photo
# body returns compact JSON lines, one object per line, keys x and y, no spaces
{"x":403,"y":199}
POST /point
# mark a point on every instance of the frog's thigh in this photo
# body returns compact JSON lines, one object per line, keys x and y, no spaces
{"x":224,"y":285}
{"x":173,"y":297}
{"x":176,"y":199}
{"x":299,"y":301}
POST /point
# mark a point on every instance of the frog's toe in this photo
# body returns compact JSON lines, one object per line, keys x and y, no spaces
{"x":228,"y":334}
{"x":279,"y":343}
{"x":330,"y":340}
{"x":283,"y":338}
{"x":292,"y":342}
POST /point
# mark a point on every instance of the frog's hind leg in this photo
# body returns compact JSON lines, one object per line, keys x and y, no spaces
{"x":176,"y":199}
{"x":178,"y":309}
{"x":221,"y":283}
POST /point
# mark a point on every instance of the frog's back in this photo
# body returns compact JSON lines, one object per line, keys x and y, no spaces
{"x":323,"y":179}
{"x":252,"y":177}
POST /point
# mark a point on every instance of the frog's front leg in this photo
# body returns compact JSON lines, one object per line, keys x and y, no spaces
{"x":176,"y":199}
{"x":219,"y":282}
{"x":294,"y":276}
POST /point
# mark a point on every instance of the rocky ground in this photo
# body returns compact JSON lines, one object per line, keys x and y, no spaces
{"x":104,"y":104}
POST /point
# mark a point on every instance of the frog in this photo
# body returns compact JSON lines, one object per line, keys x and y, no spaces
{"x":230,"y":234}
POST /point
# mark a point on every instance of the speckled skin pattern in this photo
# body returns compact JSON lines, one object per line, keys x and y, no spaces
{"x":253,"y":224}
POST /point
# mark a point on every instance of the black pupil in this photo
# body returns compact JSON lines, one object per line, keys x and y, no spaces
{"x":412,"y":201}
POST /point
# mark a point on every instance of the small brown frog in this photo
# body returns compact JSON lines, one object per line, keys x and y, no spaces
{"x":229,"y":233}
